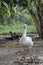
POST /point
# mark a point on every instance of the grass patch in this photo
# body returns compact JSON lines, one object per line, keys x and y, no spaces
{"x":18,"y":28}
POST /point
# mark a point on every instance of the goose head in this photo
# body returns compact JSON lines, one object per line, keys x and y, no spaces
{"x":24,"y":31}
{"x":25,"y":25}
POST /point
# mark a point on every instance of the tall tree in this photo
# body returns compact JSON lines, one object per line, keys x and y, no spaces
{"x":35,"y":8}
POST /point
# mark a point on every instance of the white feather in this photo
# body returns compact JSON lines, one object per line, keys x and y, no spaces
{"x":26,"y":40}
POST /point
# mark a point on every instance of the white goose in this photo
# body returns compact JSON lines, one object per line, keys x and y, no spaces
{"x":26,"y":40}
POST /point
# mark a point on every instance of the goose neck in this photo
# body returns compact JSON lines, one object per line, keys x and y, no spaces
{"x":24,"y":32}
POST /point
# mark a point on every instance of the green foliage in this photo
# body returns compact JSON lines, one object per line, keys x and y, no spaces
{"x":4,"y":12}
{"x":23,"y":16}
{"x":6,"y":7}
{"x":12,"y":14}
{"x":19,"y":16}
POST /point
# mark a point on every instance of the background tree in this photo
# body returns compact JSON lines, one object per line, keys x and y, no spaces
{"x":35,"y":8}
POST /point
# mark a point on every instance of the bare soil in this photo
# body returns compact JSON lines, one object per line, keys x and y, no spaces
{"x":12,"y":53}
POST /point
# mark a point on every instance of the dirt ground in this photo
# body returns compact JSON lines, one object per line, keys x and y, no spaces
{"x":12,"y":53}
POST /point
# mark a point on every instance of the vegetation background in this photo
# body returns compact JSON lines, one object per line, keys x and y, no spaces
{"x":14,"y":13}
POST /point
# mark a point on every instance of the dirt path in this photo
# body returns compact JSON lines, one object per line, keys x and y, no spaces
{"x":12,"y":53}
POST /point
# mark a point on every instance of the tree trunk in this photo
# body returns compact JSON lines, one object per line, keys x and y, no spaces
{"x":38,"y":19}
{"x":41,"y":18}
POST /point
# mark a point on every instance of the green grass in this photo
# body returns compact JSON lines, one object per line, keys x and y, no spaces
{"x":18,"y":28}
